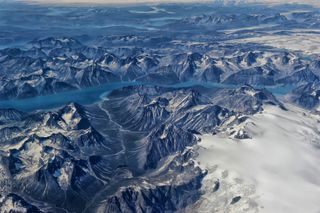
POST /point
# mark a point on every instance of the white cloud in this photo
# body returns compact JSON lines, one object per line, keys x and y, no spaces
{"x":110,"y":1}
{"x":311,"y":2}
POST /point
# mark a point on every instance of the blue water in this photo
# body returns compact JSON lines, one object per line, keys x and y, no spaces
{"x":82,"y":96}
{"x":276,"y":90}
{"x":280,"y":90}
{"x":94,"y":94}
{"x":203,"y":84}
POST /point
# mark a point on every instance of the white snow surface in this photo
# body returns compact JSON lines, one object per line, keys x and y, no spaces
{"x":276,"y":171}
{"x":307,"y":43}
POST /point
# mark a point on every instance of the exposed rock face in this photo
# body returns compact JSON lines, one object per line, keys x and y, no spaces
{"x":253,"y":76}
{"x":202,"y":118}
{"x":171,"y":188}
{"x":135,"y":150}
{"x":178,"y":114}
{"x":140,"y":112}
{"x":166,"y":140}
{"x":124,"y":150}
{"x":245,"y":99}
{"x":10,"y":115}
{"x":307,"y":96}
{"x":241,"y":134}
{"x":155,"y":199}
{"x":60,"y":160}
{"x":46,"y":157}
{"x":14,"y":203}
{"x":54,"y":65}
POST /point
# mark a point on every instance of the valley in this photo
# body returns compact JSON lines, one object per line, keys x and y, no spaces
{"x":162,"y":108}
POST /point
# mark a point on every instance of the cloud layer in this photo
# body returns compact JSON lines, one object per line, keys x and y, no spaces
{"x":311,"y":2}
{"x":110,"y":1}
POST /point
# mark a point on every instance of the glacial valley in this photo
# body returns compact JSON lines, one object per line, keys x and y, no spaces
{"x":161,"y":108}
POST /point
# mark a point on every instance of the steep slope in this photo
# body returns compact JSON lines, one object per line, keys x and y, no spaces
{"x":245,"y":99}
{"x":307,"y":96}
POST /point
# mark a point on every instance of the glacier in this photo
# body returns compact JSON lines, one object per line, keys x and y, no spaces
{"x":165,"y":107}
{"x":279,"y":164}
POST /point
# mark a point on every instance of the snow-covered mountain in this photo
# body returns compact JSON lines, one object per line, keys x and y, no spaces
{"x":223,"y":2}
{"x":307,"y":96}
{"x":51,"y":157}
{"x":159,"y":108}
{"x":55,"y":65}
